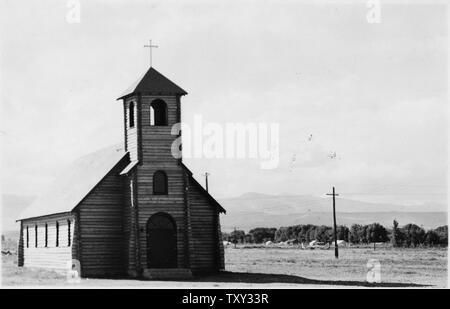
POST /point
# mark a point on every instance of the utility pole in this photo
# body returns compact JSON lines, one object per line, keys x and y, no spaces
{"x":206,"y":180}
{"x":336,"y":251}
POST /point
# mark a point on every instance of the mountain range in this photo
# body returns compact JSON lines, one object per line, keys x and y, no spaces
{"x":252,"y":210}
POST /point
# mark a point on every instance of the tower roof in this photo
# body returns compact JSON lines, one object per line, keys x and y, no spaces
{"x":153,"y":82}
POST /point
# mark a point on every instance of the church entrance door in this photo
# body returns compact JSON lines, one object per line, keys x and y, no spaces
{"x":161,"y":241}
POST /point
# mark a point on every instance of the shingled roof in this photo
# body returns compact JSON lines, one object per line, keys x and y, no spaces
{"x":70,"y":188}
{"x":153,"y":82}
{"x":75,"y":183}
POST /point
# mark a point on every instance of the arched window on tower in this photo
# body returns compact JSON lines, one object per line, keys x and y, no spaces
{"x":158,"y":113}
{"x":131,"y":115}
{"x":160,"y":183}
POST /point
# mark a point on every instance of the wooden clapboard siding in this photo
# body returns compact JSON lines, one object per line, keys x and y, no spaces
{"x":204,"y":225}
{"x":20,"y":252}
{"x":130,"y":226}
{"x":156,"y":142}
{"x":101,"y":226}
{"x":131,"y":134}
{"x":172,"y":204}
{"x":196,"y":219}
{"x":51,"y":257}
{"x":128,"y":229}
{"x":221,"y":257}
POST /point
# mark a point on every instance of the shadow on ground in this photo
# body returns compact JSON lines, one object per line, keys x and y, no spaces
{"x":240,"y":277}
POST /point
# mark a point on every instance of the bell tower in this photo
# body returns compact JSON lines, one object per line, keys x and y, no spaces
{"x":171,"y":224}
{"x":151,"y":107}
{"x":158,"y":223}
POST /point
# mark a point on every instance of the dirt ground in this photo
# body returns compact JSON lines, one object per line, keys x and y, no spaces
{"x":288,"y":267}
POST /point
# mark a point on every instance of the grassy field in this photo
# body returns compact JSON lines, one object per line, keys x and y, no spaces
{"x":398,"y":266}
{"x":278,"y":267}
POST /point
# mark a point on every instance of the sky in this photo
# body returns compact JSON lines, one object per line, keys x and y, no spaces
{"x":373,"y":93}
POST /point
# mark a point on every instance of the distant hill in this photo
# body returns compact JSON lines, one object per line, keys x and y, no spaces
{"x":260,"y":210}
{"x":12,"y":206}
{"x":252,"y":210}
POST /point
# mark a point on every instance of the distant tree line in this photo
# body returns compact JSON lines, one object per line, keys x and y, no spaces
{"x":257,"y":235}
{"x":410,"y":235}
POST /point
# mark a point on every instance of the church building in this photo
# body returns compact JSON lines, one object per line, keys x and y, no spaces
{"x":132,"y":210}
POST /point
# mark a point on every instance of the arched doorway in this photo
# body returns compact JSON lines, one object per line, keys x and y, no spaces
{"x":161,"y":241}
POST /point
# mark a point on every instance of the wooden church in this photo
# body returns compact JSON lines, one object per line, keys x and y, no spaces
{"x":128,"y":211}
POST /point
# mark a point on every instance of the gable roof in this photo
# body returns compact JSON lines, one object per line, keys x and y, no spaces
{"x":75,"y":183}
{"x":204,"y":192}
{"x":155,"y":83}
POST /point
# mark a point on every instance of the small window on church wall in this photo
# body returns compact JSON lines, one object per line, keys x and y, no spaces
{"x":35,"y":236}
{"x":57,"y":234}
{"x":131,"y":114}
{"x":68,"y":233}
{"x":158,"y":113}
{"x":28,"y":237}
{"x":160,"y":183}
{"x":46,"y":235}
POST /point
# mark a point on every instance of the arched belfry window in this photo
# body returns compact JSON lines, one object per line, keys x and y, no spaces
{"x":160,"y":183}
{"x":131,"y":115}
{"x":158,"y":113}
